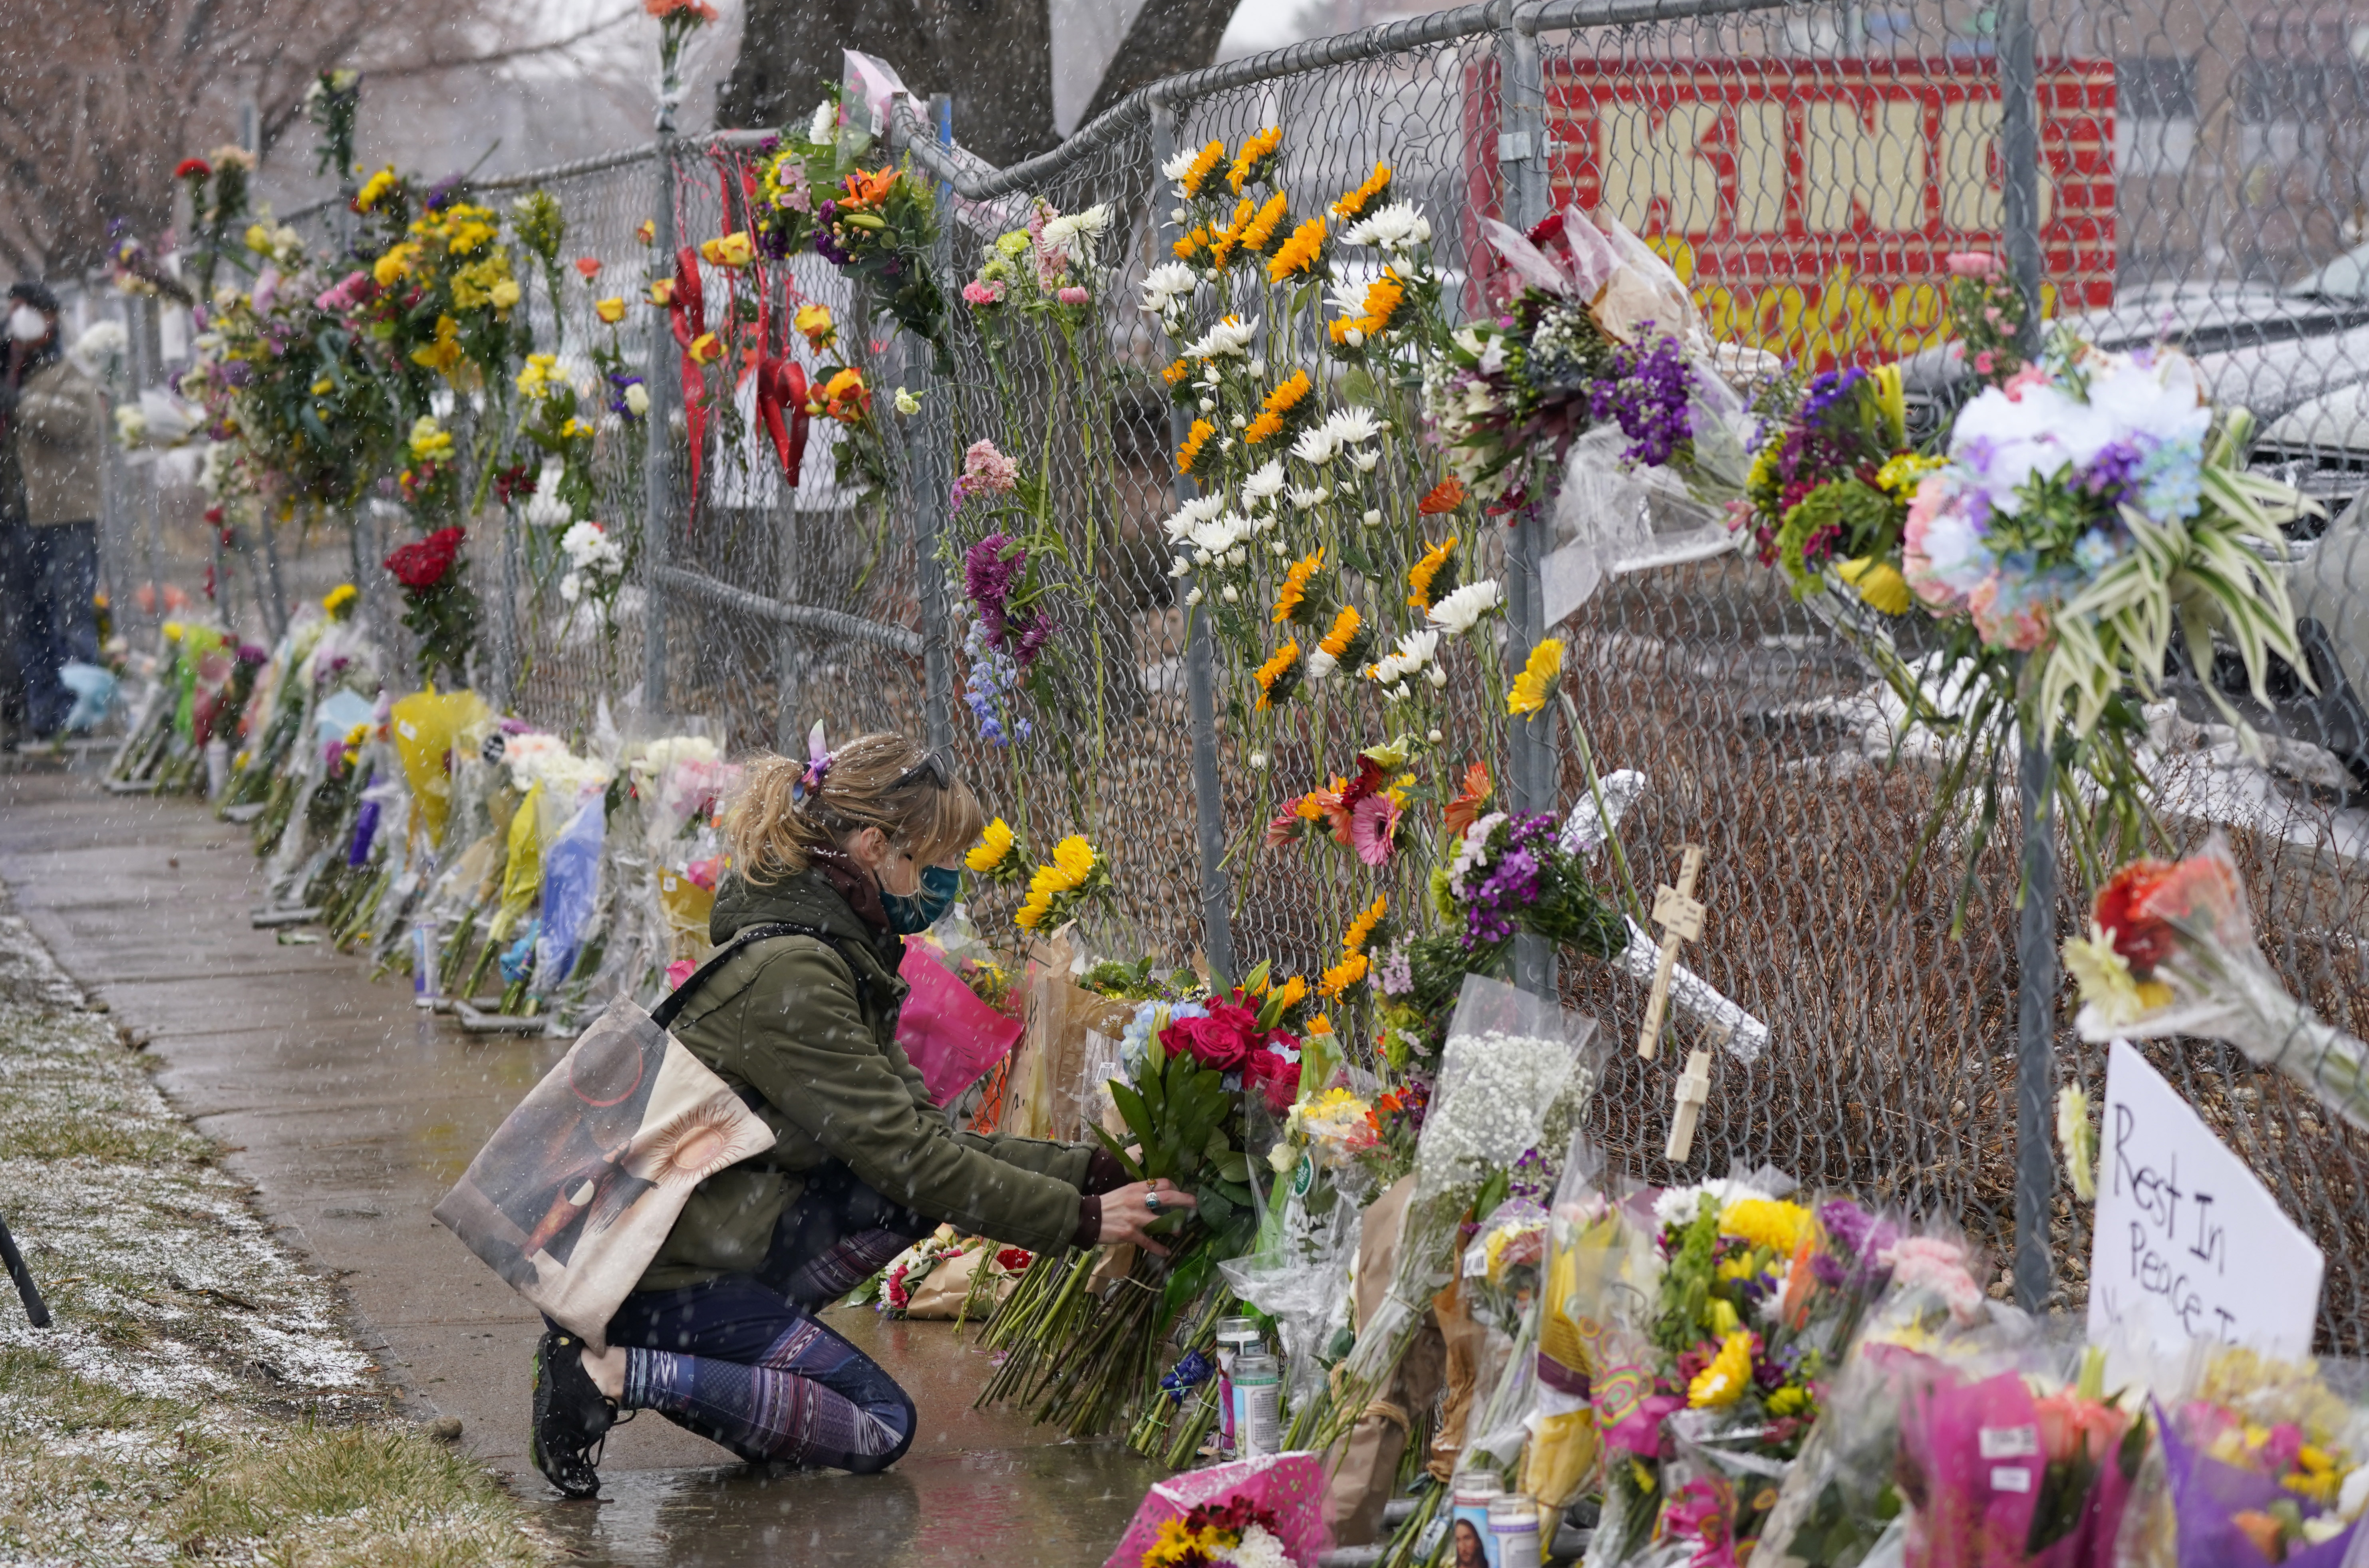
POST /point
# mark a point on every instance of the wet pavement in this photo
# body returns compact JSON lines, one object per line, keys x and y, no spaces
{"x":353,"y":1113}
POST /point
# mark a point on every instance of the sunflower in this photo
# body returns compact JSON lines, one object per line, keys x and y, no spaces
{"x":1277,"y":677}
{"x":1443,"y":497}
{"x":1354,"y":203}
{"x":1348,"y":972}
{"x":995,"y":853}
{"x":1537,"y":681}
{"x":1425,"y":573}
{"x":1204,"y":164}
{"x":1383,"y":296}
{"x":1346,"y":626}
{"x":1074,"y":858}
{"x":1354,"y":939}
{"x":1291,"y":599}
{"x":1175,"y":373}
{"x":1195,"y":439}
{"x":1250,"y":161}
{"x":1223,"y":243}
{"x":1300,"y":252}
{"x":1184,"y":248}
{"x":1261,"y":233}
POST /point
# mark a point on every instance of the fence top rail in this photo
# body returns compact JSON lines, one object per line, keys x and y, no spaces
{"x":979,"y":182}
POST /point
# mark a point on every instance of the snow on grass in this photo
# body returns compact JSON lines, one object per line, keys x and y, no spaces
{"x":197,"y":1397}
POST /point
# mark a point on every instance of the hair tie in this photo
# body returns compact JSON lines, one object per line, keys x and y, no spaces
{"x":818,"y":761}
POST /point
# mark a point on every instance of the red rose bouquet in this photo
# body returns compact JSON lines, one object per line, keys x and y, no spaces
{"x":437,"y":603}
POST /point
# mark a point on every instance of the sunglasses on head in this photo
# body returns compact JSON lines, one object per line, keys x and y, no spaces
{"x":931,"y":769}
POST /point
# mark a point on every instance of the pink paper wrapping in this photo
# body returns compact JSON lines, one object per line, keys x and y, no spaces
{"x":951,"y":1035}
{"x":1975,"y":1447}
{"x":1291,"y":1486}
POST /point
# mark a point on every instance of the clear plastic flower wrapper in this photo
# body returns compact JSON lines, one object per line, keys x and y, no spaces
{"x":2256,"y":1460}
{"x":2171,"y":951}
{"x":1957,"y":1433}
{"x":1514,"y":1068}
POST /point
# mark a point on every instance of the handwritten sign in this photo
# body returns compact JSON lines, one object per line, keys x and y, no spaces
{"x":2188,"y":1243}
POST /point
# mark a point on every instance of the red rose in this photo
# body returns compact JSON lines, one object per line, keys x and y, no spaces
{"x":422,"y":564}
{"x":2142,"y":939}
{"x":192,"y":168}
{"x":1266,"y":1071}
{"x":1015,"y":1260}
{"x":1221,"y":1040}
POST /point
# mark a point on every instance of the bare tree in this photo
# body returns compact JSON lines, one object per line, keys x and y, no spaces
{"x":99,"y":102}
{"x":994,"y":57}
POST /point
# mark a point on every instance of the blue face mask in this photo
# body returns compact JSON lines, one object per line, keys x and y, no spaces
{"x":911,"y":913}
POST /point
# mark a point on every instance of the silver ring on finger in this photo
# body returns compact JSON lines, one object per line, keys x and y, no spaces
{"x":1151,"y":1204}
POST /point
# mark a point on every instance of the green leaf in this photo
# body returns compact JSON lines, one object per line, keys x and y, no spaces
{"x":1231,"y":1165}
{"x":1126,"y":1162}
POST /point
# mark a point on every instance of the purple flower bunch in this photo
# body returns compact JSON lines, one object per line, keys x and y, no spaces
{"x":618,"y":381}
{"x":989,"y":687}
{"x":1649,"y":394}
{"x":989,"y":575}
{"x":1858,"y":1236}
{"x":1511,"y":882}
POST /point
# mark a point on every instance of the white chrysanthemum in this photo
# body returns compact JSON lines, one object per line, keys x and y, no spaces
{"x":1678,"y":1204}
{"x":1349,"y":426}
{"x":1259,"y":1548}
{"x":588,"y":548}
{"x":1078,"y":231}
{"x":1165,"y":286}
{"x":1397,"y":227}
{"x":1222,"y":533}
{"x":1265,"y":484}
{"x":1175,"y":168}
{"x":1414,"y":651}
{"x":1316,"y":447}
{"x":1459,"y":611}
{"x":1231,"y":336}
{"x":1321,"y":665}
{"x":1191,"y":516}
{"x":824,"y":126}
{"x":1305,"y":498}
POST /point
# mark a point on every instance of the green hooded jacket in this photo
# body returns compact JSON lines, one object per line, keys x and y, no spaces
{"x":789,"y":1018}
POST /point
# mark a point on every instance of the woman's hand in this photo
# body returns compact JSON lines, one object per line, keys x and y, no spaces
{"x":1129,"y":1210}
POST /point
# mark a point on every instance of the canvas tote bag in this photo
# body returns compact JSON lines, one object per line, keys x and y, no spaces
{"x":575,"y":1193}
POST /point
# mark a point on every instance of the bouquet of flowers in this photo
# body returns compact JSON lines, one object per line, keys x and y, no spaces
{"x":1258,"y":1513}
{"x":437,"y":603}
{"x":1515,"y":1070}
{"x":2260,"y":1461}
{"x":1574,"y":345}
{"x":1841,"y":1498}
{"x":1510,"y":872}
{"x":1757,"y":1297}
{"x":2171,"y":950}
{"x":1831,"y":482}
{"x":1080,"y":1357}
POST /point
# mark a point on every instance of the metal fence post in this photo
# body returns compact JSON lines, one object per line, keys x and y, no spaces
{"x":1522,"y":151}
{"x":1200,"y":681}
{"x":2035,"y":935}
{"x":657,"y":453}
{"x":935,"y":476}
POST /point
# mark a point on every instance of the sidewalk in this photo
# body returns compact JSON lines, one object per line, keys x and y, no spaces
{"x":353,"y":1114}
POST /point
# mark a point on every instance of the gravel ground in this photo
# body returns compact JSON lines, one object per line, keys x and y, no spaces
{"x":197,"y":1396}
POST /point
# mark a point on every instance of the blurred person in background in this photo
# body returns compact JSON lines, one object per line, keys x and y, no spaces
{"x":52,"y":420}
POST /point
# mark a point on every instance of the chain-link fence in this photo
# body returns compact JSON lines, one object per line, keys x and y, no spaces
{"x":2189,"y":170}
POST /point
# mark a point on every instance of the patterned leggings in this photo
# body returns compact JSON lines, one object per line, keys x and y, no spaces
{"x":738,"y":1365}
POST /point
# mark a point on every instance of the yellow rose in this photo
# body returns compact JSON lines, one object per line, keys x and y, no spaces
{"x":505,"y":293}
{"x":706,"y":349}
{"x":612,"y":311}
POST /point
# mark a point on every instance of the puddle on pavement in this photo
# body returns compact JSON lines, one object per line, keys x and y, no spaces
{"x":1060,"y":1505}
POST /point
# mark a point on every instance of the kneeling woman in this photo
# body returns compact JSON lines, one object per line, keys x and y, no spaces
{"x":833,"y":860}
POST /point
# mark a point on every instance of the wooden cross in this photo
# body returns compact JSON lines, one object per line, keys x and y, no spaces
{"x":1680,"y":918}
{"x":1694,"y":1093}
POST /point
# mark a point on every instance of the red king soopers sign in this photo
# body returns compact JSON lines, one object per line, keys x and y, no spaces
{"x":1809,"y":203}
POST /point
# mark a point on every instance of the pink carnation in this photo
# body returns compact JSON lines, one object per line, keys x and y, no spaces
{"x":986,"y":471}
{"x":1971,"y":264}
{"x":978,"y":294}
{"x":1928,"y":1263}
{"x":679,"y":971}
{"x":1074,"y":295}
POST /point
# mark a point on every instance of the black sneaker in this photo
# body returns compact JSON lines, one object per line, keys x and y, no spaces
{"x":571,"y":1416}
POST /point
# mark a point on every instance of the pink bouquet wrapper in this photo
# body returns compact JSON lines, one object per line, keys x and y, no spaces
{"x":1976,"y":1447}
{"x":1289,"y":1486}
{"x":946,"y":1030}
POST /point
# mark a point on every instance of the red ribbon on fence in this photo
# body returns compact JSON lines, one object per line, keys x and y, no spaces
{"x":782,"y":386}
{"x":687,"y":313}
